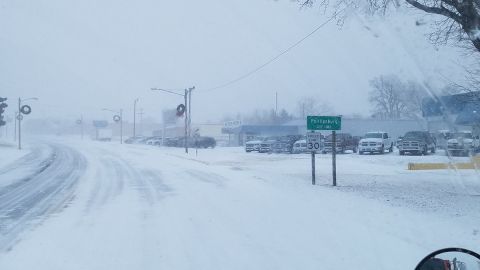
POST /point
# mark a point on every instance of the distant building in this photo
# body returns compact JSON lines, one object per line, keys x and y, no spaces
{"x":453,"y":112}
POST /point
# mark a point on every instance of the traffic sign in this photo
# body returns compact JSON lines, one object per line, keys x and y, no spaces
{"x":324,"y":122}
{"x":314,"y":141}
{"x":100,"y":123}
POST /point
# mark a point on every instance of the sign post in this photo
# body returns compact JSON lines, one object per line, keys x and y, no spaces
{"x":332,"y":123}
{"x":313,"y":144}
{"x":334,"y":158}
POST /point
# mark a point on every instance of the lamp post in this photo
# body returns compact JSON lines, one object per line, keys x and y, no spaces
{"x":118,"y":117}
{"x":134,"y":115}
{"x":21,"y":112}
{"x":187,"y":96}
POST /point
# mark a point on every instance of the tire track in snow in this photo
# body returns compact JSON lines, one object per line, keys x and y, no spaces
{"x":31,"y":199}
{"x":115,"y":174}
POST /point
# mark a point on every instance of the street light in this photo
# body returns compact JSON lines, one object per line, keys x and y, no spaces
{"x":21,"y":112}
{"x":134,"y":115}
{"x":117,"y":118}
{"x":187,"y":112}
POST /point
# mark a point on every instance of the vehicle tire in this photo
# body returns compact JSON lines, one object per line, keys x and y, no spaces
{"x":401,"y":153}
{"x":360,"y":152}
{"x":248,"y":151}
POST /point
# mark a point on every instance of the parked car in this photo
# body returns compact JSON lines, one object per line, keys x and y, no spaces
{"x":462,"y":144}
{"x":251,"y":146}
{"x":170,"y":142}
{"x":155,"y":140}
{"x":344,"y":142}
{"x":300,"y":146}
{"x":135,"y":140}
{"x":417,"y":142}
{"x":267,"y":145}
{"x":284,"y":144}
{"x":203,"y":142}
{"x":375,"y":142}
{"x":442,"y":137}
{"x":398,"y":141}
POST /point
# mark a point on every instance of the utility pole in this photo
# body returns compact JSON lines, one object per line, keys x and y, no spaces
{"x":190,"y":111}
{"x":121,"y":126}
{"x":21,"y":111}
{"x":186,"y":96}
{"x":15,"y":130}
{"x":19,"y":124}
{"x":134,"y":115}
{"x":186,"y":122}
{"x":140,"y":124}
{"x":276,"y":105}
{"x":81,"y":125}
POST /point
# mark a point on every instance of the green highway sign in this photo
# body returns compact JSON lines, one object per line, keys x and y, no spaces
{"x":324,"y":122}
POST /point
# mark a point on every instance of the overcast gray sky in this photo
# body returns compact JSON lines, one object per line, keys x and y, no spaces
{"x":81,"y":56}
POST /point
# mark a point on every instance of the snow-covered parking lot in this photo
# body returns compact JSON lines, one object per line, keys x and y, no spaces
{"x":159,"y":208}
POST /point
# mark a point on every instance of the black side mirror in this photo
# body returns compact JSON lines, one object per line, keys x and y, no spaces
{"x":450,"y":258}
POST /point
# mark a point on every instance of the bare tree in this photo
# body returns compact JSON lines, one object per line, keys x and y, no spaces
{"x":413,"y":95}
{"x":312,"y":106}
{"x":459,"y":19}
{"x":387,"y":97}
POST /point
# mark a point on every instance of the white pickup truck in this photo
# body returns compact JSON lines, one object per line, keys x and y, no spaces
{"x":462,"y":144}
{"x":375,"y":142}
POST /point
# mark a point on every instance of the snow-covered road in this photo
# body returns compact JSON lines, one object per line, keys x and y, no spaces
{"x":110,"y":206}
{"x":35,"y":186}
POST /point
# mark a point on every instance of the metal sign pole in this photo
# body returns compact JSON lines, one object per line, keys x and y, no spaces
{"x":313,"y":167}
{"x":334,"y":158}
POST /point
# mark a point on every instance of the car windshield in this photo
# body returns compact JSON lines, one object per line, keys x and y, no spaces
{"x":464,"y":135}
{"x":374,"y":135}
{"x":411,"y":135}
{"x":197,"y":134}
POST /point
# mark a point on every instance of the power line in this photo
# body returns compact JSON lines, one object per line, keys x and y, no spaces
{"x":271,"y":60}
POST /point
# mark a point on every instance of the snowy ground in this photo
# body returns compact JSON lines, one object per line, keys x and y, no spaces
{"x":90,"y":205}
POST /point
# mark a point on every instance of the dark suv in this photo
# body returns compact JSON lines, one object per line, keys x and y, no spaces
{"x":417,"y":142}
{"x":344,"y":142}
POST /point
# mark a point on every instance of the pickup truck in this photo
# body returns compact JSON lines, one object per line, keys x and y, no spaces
{"x":462,"y":143}
{"x":375,"y":142}
{"x":267,"y":145}
{"x":251,"y":146}
{"x":418,"y":142}
{"x":344,"y":142}
{"x":284,"y":144}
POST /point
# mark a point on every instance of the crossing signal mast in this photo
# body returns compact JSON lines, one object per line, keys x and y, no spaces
{"x":3,"y":105}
